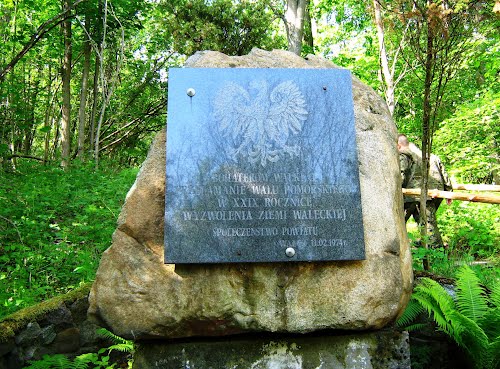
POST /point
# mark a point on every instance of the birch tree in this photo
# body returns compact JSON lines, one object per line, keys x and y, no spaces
{"x":294,"y":18}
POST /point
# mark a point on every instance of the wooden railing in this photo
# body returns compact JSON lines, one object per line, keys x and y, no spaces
{"x":490,"y":198}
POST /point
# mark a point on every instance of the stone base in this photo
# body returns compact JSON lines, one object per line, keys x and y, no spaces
{"x":373,"y":350}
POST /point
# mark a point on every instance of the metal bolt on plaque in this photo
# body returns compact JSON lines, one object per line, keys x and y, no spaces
{"x":290,"y":252}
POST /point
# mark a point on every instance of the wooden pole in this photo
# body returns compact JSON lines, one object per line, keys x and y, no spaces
{"x":474,"y":197}
{"x":476,"y":187}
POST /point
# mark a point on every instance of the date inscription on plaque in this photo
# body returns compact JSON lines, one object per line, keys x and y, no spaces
{"x":261,"y":167}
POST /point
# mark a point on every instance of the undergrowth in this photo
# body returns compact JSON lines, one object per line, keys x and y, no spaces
{"x":471,"y":233}
{"x":470,"y":315}
{"x":96,"y":360}
{"x":54,"y":226}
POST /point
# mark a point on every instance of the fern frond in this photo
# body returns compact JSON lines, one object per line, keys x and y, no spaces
{"x":495,"y":295}
{"x":122,"y":347}
{"x":494,"y":354}
{"x":120,"y":344}
{"x":81,"y":361}
{"x":110,"y":335}
{"x":416,"y":327}
{"x":412,"y":311}
{"x":490,"y":323}
{"x":470,"y":298}
{"x":57,"y":361}
{"x":471,"y":337}
{"x":436,"y":301}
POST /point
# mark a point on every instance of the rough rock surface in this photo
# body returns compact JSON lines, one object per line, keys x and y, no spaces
{"x":373,"y":350}
{"x":137,"y":296}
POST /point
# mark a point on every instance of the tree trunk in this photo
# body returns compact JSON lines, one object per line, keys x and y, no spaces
{"x":294,"y":24}
{"x":388,"y":78}
{"x":97,"y":71}
{"x":308,"y":30}
{"x":426,"y":136}
{"x":83,"y":92}
{"x":66,"y":90}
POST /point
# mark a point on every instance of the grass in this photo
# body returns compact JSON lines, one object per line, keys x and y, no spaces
{"x":54,"y":226}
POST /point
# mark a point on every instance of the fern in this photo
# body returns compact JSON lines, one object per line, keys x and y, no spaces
{"x":57,"y":361}
{"x":436,"y":301}
{"x":111,"y":336}
{"x":491,"y":323}
{"x":495,"y":295}
{"x":470,"y":295}
{"x":412,"y":311}
{"x":415,"y":327}
{"x":120,"y":344}
{"x":494,"y":350}
{"x":81,"y":361}
{"x":472,"y":320}
{"x":470,"y":336}
{"x":97,"y":360}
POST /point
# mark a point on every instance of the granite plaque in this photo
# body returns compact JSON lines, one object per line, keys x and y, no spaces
{"x":261,"y":166}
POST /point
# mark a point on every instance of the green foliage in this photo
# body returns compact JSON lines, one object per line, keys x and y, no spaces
{"x":471,"y":228}
{"x":54,"y":225}
{"x":471,"y":318}
{"x":58,"y":361}
{"x":469,"y":295}
{"x":412,"y":311}
{"x":232,"y":27}
{"x":470,"y":139}
{"x":437,"y":257}
{"x":120,"y":344}
{"x":346,"y":36}
{"x":98,"y":360}
{"x":471,"y":232}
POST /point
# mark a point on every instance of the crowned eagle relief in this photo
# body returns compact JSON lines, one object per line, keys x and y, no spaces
{"x":258,"y":122}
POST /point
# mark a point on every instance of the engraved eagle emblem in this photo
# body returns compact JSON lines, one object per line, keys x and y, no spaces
{"x":258,"y":122}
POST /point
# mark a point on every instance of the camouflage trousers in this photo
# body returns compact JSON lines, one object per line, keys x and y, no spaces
{"x":413,"y":209}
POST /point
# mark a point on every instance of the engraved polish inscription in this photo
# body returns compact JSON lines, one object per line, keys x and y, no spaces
{"x":261,"y":166}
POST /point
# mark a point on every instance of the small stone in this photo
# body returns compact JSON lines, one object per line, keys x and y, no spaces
{"x":29,"y":335}
{"x":89,"y":335}
{"x":48,"y":334}
{"x":29,"y":353}
{"x":60,"y":317}
{"x":67,"y":341}
{"x":79,"y":309}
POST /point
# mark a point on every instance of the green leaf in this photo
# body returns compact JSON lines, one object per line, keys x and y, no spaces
{"x":44,"y":129}
{"x":470,"y":336}
{"x":495,"y":295}
{"x":470,"y":298}
{"x":412,"y":311}
{"x":436,"y":301}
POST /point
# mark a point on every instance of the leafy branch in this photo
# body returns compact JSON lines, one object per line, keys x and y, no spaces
{"x":40,"y":33}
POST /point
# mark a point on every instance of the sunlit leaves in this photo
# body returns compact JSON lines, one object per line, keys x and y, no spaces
{"x":232,"y":27}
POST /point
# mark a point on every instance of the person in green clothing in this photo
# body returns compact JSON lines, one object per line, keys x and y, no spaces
{"x":410,"y":160}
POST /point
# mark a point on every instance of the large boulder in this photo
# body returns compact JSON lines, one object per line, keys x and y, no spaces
{"x":140,"y":297}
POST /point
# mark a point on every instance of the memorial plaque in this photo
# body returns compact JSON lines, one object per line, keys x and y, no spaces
{"x":261,"y":166}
